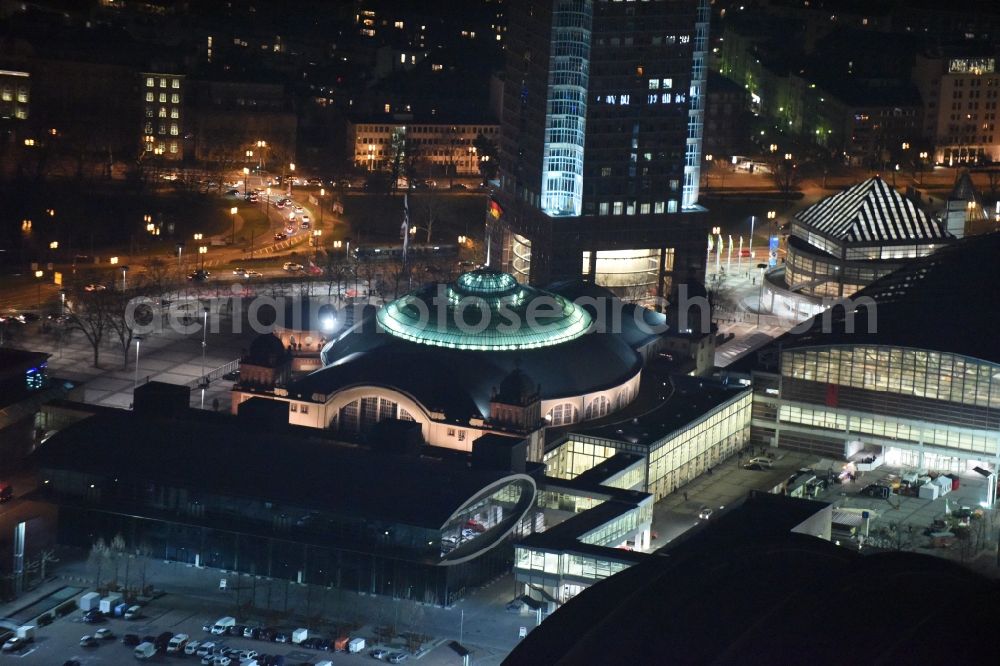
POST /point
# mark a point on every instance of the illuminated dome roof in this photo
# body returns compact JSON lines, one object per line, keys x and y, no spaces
{"x":484,"y":310}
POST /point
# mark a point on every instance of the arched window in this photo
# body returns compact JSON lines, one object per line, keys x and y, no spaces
{"x":563,"y":414}
{"x":597,"y":408}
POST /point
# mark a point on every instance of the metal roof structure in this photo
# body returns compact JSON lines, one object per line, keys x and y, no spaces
{"x":871,"y":212}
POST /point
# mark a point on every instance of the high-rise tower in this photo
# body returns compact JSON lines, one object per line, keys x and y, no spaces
{"x":600,"y":146}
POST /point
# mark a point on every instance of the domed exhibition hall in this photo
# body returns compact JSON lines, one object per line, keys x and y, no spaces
{"x":482,"y":354}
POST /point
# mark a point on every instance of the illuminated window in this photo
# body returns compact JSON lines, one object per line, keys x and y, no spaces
{"x":658,"y":207}
{"x":174,"y":113}
{"x":163,"y":112}
{"x":150,"y":97}
{"x":173,"y":129}
{"x":150,"y":82}
{"x":163,"y":83}
{"x":293,"y":407}
{"x":173,"y":147}
{"x":175,"y":99}
{"x":304,"y":409}
{"x":163,"y":98}
{"x":175,"y":84}
{"x":672,"y":206}
{"x":619,"y":206}
{"x":644,"y":209}
{"x":654,"y":84}
{"x":603,"y":208}
{"x":668,"y":84}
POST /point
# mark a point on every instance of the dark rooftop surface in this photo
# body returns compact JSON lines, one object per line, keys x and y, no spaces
{"x":942,"y":302}
{"x":294,"y":465}
{"x":746,"y":590}
{"x":690,"y":399}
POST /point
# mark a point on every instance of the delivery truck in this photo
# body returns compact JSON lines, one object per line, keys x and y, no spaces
{"x":356,"y":645}
{"x":90,"y":601}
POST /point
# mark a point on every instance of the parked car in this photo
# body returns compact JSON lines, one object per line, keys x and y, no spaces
{"x":292,"y":266}
{"x":397,"y":657}
{"x":192,"y":647}
{"x":95,"y":287}
{"x":877,"y":490}
{"x":93,"y":616}
{"x":88,"y":641}
{"x":131,"y":640}
{"x":208,"y":647}
{"x":763,"y":461}
{"x":280,"y":236}
{"x":299,"y":209}
{"x":281,"y":637}
{"x":104,"y":633}
{"x":133,"y":613}
{"x":14,"y":643}
{"x":251,"y":632}
{"x":378,"y":653}
{"x":704,"y":513}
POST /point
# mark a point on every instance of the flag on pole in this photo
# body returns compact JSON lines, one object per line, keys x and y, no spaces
{"x":405,"y":230}
{"x":495,"y":210}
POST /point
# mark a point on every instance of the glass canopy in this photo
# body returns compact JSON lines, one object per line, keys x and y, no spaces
{"x":484,"y":310}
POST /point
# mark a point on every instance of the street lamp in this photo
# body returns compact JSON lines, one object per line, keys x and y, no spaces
{"x":180,"y":249}
{"x":202,"y":251}
{"x":232,"y":211}
{"x":322,"y":193}
{"x":291,"y":167}
{"x":54,"y":245}
{"x":38,"y":275}
{"x":204,"y":343}
{"x":788,"y":156}
{"x":246,"y":180}
{"x":124,"y":284}
{"x":760,"y":299}
{"x":113,"y":261}
{"x":462,"y":240}
{"x":135,"y":382}
{"x":753,"y":221}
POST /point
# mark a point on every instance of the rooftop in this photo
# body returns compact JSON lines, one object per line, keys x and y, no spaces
{"x":687,"y":399}
{"x":871,"y":212}
{"x":199,"y":449}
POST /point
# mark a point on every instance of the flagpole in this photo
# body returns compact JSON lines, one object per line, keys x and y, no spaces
{"x":406,"y":240}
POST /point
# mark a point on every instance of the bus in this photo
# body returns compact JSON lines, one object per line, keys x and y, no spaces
{"x":395,"y":252}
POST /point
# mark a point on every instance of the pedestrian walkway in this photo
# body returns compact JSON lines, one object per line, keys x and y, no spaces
{"x":167,"y":356}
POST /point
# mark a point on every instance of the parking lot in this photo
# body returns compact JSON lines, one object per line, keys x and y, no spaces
{"x":60,"y":641}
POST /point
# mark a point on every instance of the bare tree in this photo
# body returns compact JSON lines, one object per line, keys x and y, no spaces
{"x":453,"y":143}
{"x":91,"y":312}
{"x":486,"y":152}
{"x":98,"y":554}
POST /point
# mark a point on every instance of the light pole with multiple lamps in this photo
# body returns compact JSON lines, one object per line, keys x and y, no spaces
{"x":202,"y":251}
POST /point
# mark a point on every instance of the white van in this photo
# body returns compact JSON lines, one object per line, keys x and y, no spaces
{"x":223,"y":623}
{"x":145,"y":651}
{"x":177,"y":644}
{"x":133,"y":612}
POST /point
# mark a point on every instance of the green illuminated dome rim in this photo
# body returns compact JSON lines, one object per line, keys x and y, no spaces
{"x":484,"y":310}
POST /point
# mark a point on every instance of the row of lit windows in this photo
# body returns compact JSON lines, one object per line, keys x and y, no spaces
{"x":172,"y":147}
{"x":915,"y":372}
{"x":175,"y":113}
{"x":162,"y":98}
{"x":8,"y":93}
{"x":729,"y":424}
{"x":629,"y":207}
{"x":162,"y":129}
{"x":174,"y":83}
{"x":579,"y":566}
{"x":888,"y":428}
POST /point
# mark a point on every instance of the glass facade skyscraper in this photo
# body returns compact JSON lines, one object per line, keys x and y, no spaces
{"x":600,"y":148}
